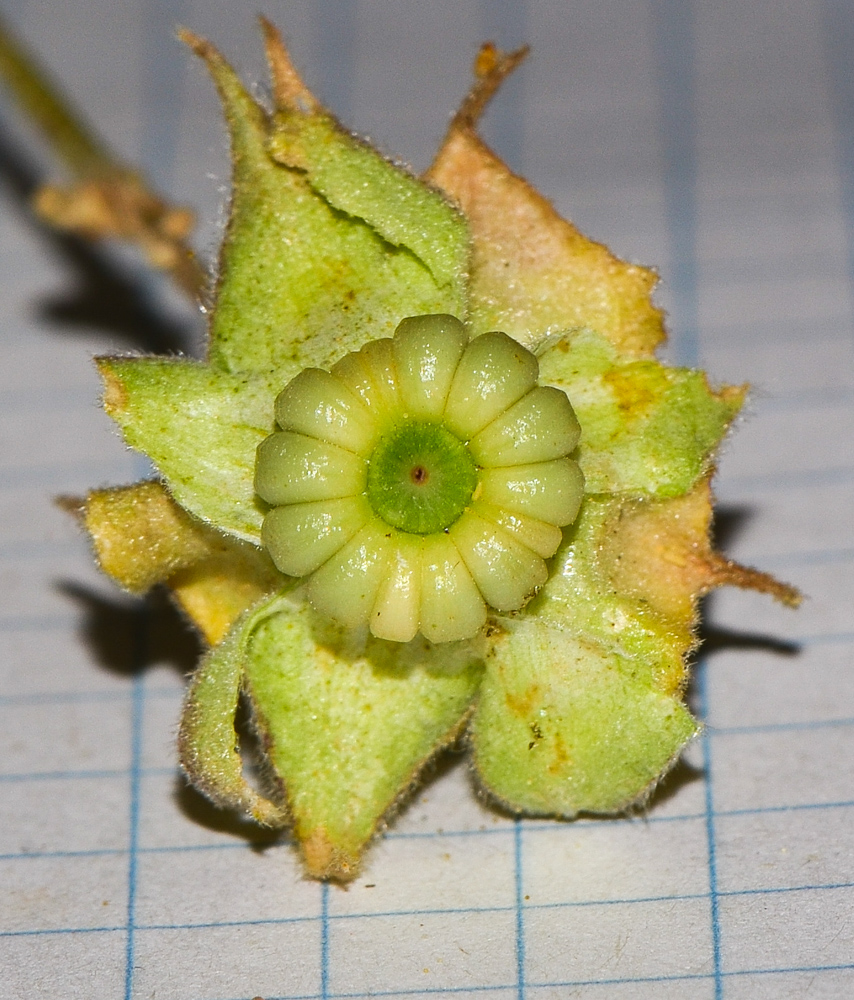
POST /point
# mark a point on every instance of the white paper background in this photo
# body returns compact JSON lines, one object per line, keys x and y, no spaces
{"x":713,"y":139}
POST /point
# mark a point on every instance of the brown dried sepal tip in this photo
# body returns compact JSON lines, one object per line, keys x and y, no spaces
{"x":289,"y":90}
{"x":492,"y":66}
{"x":661,"y":552}
{"x":533,"y":274}
{"x":324,"y":860}
{"x":120,"y":206}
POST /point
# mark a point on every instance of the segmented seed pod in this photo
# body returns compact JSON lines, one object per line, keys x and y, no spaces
{"x":422,"y":479}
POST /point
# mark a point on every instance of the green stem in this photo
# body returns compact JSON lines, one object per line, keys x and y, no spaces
{"x":140,"y":215}
{"x":45,"y":105}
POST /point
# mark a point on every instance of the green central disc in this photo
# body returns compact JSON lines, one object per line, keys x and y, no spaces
{"x":420,"y":478}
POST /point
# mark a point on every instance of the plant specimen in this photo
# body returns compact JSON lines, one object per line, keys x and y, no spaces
{"x":429,"y":484}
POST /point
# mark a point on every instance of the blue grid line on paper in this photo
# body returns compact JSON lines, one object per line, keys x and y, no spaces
{"x":24,"y":856}
{"x":712,"y":734}
{"x":790,"y":969}
{"x":624,"y":980}
{"x":557,"y":984}
{"x":326,"y":918}
{"x":63,"y":775}
{"x":673,"y":50}
{"x":568,"y":984}
{"x":758,"y":810}
{"x":82,"y":775}
{"x":776,"y":890}
{"x":324,"y":941}
{"x":439,"y":991}
{"x":779,"y":727}
{"x":646,"y":818}
{"x":713,"y":730}
{"x":706,"y":744}
{"x":138,"y":704}
{"x":519,"y":907}
{"x":64,"y":930}
{"x":167,"y":693}
{"x":95,"y":852}
{"x":141,"y":928}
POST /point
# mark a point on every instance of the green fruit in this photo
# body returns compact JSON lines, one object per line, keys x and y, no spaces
{"x":372,"y":482}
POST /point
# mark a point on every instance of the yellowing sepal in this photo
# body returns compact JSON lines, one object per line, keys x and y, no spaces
{"x":533,"y":274}
{"x":142,"y":537}
{"x":647,"y":428}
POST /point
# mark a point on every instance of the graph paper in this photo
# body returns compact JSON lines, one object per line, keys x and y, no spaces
{"x":712,"y":139}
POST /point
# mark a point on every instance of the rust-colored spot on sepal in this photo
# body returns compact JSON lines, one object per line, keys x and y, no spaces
{"x":115,"y":394}
{"x":523,"y":704}
{"x":561,"y":757}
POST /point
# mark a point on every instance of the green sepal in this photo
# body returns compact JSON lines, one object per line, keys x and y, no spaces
{"x":207,"y":740}
{"x":349,"y":721}
{"x":355,"y":179}
{"x":581,"y":705}
{"x":580,"y":597}
{"x":308,"y":273}
{"x":646,"y":428}
{"x":563,"y":727}
{"x":200,"y":426}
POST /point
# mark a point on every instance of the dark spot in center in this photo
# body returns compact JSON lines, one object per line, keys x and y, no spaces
{"x":419,"y":475}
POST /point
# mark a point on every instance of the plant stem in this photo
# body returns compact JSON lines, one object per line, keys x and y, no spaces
{"x":45,"y":106}
{"x":107,"y":198}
